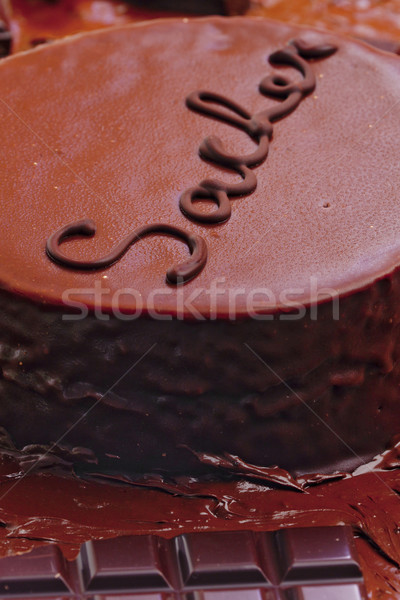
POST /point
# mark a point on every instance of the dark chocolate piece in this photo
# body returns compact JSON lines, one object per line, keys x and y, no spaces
{"x":327,"y":592}
{"x":43,"y":571}
{"x":317,"y":554}
{"x":126,"y":563}
{"x":223,"y":558}
{"x":295,"y":564}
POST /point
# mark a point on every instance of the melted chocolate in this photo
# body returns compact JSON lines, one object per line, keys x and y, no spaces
{"x":70,"y":512}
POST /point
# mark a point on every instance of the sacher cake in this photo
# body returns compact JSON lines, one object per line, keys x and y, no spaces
{"x":199,"y":250}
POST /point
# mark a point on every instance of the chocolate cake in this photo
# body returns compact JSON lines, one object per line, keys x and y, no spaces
{"x":256,"y":322}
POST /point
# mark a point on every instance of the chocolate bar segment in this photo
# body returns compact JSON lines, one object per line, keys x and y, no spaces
{"x":318,"y":554}
{"x":328,"y":592}
{"x":225,"y":558}
{"x":42,"y":571}
{"x":126,"y":563}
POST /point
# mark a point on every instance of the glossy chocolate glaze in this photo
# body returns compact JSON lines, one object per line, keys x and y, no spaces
{"x":257,"y":126}
{"x":144,"y":395}
{"x":87,"y":177}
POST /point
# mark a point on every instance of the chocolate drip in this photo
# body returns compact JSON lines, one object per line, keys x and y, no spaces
{"x":258,"y":127}
{"x":87,"y":228}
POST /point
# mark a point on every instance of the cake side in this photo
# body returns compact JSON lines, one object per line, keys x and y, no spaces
{"x":152,"y":396}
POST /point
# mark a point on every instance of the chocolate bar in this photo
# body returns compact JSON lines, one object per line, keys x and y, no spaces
{"x":204,"y":7}
{"x":291,"y":564}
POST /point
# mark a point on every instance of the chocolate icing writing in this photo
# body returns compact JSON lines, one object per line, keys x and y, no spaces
{"x":176,"y":274}
{"x":258,"y":127}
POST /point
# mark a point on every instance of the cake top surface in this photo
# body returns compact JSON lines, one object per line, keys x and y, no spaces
{"x":98,"y":127}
